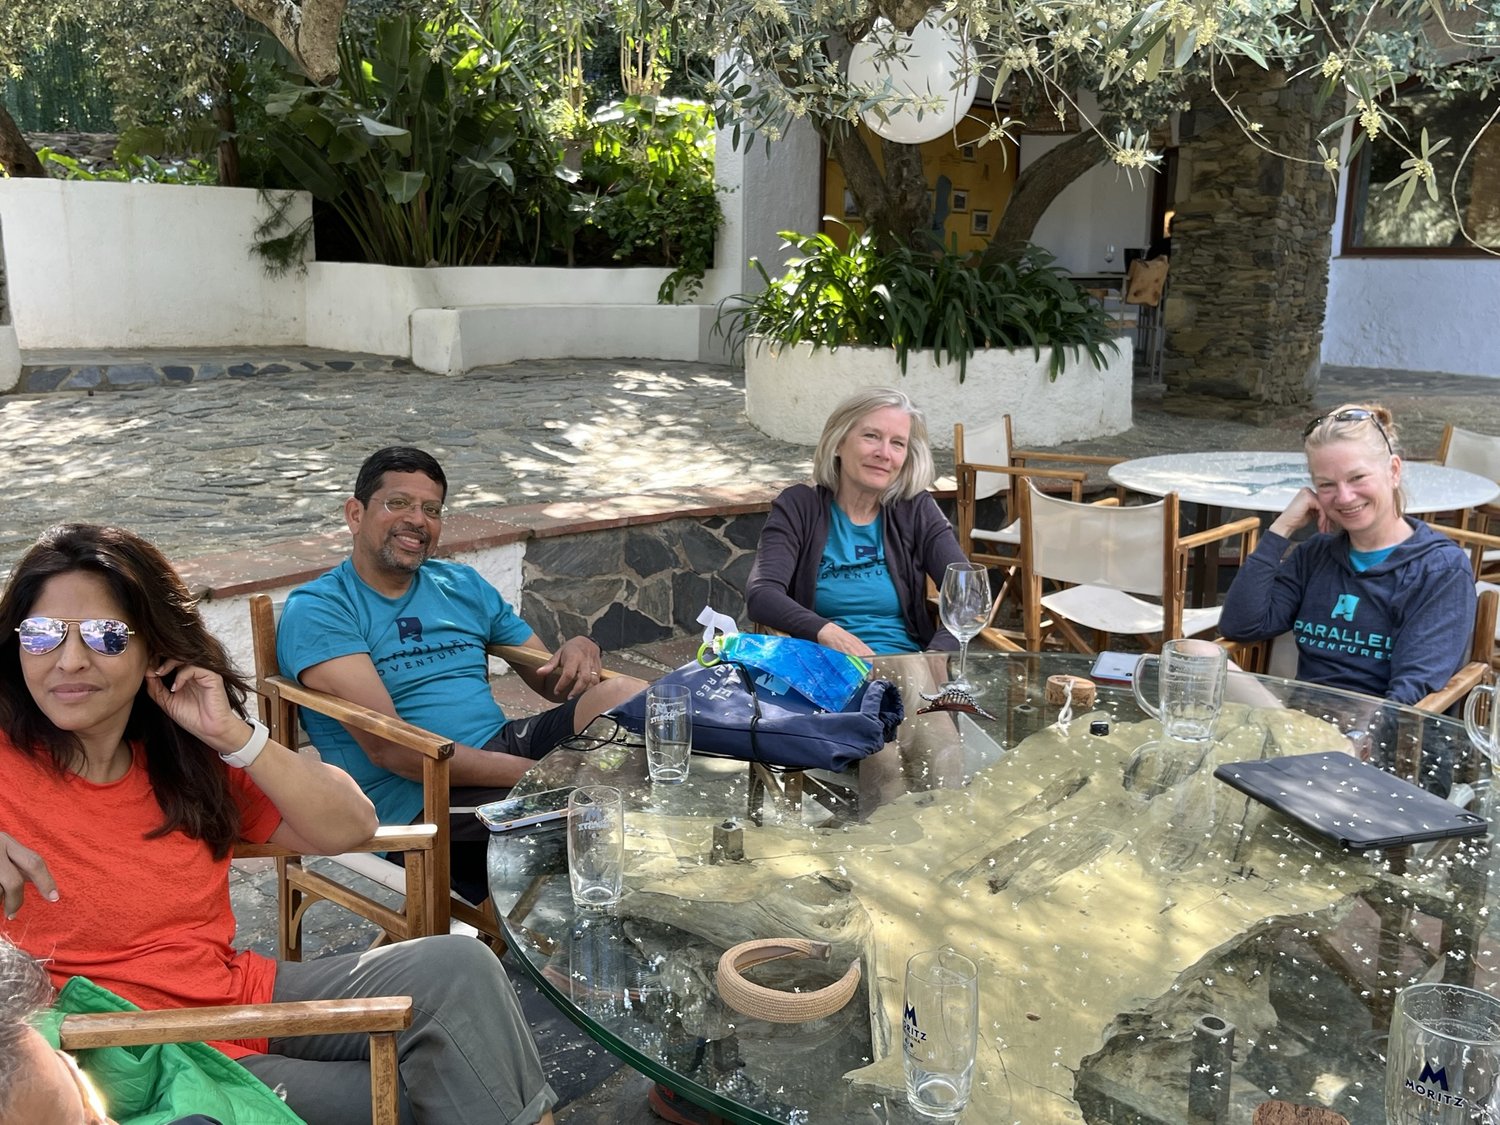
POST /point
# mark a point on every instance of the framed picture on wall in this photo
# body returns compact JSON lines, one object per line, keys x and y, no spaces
{"x":979,"y":222}
{"x":960,"y":201}
{"x":969,"y":152}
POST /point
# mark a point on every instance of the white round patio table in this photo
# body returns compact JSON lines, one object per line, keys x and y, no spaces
{"x":1260,"y":481}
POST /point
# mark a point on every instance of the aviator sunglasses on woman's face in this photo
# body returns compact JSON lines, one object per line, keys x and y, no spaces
{"x":106,"y":636}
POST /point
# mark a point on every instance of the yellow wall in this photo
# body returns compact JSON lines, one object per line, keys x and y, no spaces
{"x":982,"y":176}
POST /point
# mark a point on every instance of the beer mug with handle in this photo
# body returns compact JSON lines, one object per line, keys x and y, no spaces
{"x":1191,"y":688}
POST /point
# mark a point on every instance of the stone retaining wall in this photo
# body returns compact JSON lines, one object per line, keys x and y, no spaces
{"x":626,"y":570}
{"x":635,"y":585}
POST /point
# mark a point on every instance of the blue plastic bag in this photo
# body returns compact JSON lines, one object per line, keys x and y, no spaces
{"x":823,"y":676}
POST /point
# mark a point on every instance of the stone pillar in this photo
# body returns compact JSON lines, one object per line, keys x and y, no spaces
{"x":1250,"y":247}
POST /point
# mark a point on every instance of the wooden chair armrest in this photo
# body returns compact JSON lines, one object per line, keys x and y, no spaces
{"x":519,"y":657}
{"x":1248,"y":656}
{"x":355,"y":715}
{"x":387,"y":838}
{"x":1464,"y":538}
{"x":1020,"y":471}
{"x":1465,"y":680}
{"x":1243,"y":526}
{"x":236,"y":1021}
{"x":1021,"y":456}
{"x":994,"y":638}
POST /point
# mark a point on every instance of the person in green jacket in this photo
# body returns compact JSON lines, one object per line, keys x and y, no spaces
{"x":39,"y":1085}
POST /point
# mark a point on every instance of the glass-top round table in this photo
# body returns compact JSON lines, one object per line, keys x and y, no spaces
{"x":1147,"y":937}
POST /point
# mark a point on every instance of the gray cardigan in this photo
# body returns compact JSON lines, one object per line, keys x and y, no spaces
{"x":919,"y":542}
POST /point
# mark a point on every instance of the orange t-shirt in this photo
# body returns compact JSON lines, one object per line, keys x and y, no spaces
{"x":148,"y":919}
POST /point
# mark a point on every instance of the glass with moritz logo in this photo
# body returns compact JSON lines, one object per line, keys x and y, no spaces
{"x":1443,"y":1057}
{"x":939,"y":1031}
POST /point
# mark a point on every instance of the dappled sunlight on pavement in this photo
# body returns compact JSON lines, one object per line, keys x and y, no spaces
{"x":220,"y":466}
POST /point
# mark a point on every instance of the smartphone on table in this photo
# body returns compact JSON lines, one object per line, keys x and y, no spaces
{"x":521,"y":812}
{"x":1115,"y":667}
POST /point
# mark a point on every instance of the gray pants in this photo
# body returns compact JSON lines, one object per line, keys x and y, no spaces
{"x":467,"y":1057}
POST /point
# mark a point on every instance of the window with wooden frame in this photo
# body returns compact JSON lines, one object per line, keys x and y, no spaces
{"x":1375,"y":225}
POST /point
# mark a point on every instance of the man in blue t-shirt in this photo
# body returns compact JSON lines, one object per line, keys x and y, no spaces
{"x":407,"y":635}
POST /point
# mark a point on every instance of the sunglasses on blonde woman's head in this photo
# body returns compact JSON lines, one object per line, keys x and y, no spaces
{"x":105,"y":635}
{"x":1354,"y":415}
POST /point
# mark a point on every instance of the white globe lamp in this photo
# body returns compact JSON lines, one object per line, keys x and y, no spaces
{"x":933,"y":63}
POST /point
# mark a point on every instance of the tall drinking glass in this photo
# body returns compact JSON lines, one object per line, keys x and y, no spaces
{"x":964,"y":605}
{"x":1442,"y":1062}
{"x":939,"y":1031}
{"x":596,"y":845}
{"x":669,"y":732}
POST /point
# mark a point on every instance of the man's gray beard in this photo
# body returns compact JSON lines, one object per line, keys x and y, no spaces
{"x":389,"y":558}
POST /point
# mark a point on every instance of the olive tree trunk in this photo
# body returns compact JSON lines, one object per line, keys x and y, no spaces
{"x":892,"y":200}
{"x":15,"y":154}
{"x":1041,"y":182}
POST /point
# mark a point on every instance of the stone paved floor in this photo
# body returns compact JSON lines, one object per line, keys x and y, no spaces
{"x":213,"y":466}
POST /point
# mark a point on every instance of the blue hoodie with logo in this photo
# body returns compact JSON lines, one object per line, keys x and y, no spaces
{"x":1398,"y":630}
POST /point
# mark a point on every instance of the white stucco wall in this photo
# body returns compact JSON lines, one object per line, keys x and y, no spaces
{"x":357,"y":307}
{"x":781,"y":192}
{"x":1100,"y":208}
{"x":108,"y":265}
{"x":1412,"y":314}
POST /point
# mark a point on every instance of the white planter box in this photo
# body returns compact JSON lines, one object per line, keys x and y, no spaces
{"x":790,"y":391}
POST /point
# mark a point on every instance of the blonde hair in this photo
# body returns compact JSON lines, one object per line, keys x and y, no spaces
{"x":1377,"y":431}
{"x":917,"y":471}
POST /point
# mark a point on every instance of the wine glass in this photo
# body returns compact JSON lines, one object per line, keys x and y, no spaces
{"x":1109,"y":254}
{"x":964,"y":605}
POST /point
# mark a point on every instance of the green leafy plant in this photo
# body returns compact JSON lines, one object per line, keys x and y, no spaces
{"x":649,"y":187}
{"x":138,"y":169}
{"x":428,"y":145}
{"x":915,"y":300}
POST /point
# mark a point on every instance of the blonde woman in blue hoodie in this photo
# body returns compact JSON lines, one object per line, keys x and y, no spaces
{"x":1378,"y":602}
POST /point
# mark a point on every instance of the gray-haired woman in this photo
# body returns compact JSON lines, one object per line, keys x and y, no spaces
{"x":845,"y":561}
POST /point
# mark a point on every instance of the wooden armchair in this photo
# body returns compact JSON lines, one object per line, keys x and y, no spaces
{"x":427,"y":906}
{"x":1476,"y":453}
{"x":1478,"y":669}
{"x":987,"y":464}
{"x":1121,"y":570}
{"x":380,"y":1017}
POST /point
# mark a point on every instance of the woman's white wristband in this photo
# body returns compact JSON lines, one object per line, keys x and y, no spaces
{"x":247,"y":753}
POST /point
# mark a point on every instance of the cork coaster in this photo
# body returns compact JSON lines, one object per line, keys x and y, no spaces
{"x":1285,"y":1113}
{"x":1082,"y":690}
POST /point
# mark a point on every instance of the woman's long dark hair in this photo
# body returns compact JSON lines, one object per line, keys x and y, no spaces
{"x":185,"y":773}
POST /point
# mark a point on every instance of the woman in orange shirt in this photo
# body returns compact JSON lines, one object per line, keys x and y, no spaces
{"x":128,"y":769}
